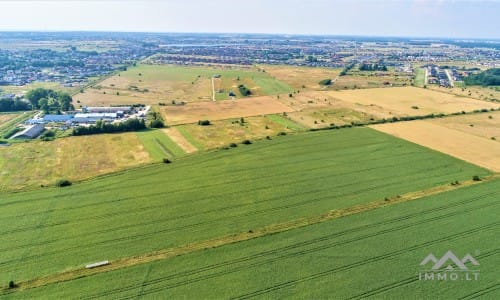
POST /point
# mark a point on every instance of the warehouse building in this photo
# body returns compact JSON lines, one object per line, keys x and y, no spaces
{"x":30,"y":132}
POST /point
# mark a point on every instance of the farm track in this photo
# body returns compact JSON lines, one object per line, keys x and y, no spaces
{"x":277,"y":254}
{"x":272,"y":229}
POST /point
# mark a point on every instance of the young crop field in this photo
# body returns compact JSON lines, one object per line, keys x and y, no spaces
{"x":469,"y":147}
{"x":153,"y":84}
{"x":213,"y":196}
{"x":335,"y":258}
{"x":74,"y":158}
{"x":224,"y":132}
{"x":220,"y":110}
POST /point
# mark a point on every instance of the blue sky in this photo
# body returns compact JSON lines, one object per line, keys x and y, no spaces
{"x":419,"y":18}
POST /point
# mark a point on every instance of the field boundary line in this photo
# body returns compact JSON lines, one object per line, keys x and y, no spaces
{"x":240,"y":237}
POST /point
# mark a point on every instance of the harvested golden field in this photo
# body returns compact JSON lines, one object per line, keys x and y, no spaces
{"x":192,"y":112}
{"x":302,"y":78}
{"x":485,"y":125}
{"x":222,"y":133}
{"x":476,"y":92}
{"x":73,"y":158}
{"x":411,"y":101}
{"x":466,"y":146}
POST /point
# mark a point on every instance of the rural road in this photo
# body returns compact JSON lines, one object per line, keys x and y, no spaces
{"x":450,"y":78}
{"x":213,"y":89}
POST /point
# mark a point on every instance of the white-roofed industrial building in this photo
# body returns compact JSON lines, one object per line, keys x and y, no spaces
{"x":30,"y":132}
{"x":107,"y":109}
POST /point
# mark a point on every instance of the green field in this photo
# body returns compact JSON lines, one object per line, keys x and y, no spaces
{"x":419,"y":77}
{"x":159,"y":145}
{"x":373,"y":254}
{"x":209,"y":196}
{"x":286,"y":122}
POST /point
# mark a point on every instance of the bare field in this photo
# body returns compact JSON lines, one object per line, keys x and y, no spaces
{"x":222,"y":133}
{"x":73,"y":158}
{"x":192,"y":112}
{"x":469,"y":147}
{"x":405,"y":101}
{"x":485,"y":125}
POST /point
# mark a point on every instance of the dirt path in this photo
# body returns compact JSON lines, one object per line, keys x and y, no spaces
{"x":237,"y":237}
{"x":179,"y":139}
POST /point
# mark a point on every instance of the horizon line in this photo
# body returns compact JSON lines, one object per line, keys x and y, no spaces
{"x":247,"y":33}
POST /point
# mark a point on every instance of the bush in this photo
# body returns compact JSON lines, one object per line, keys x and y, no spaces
{"x":167,"y":161}
{"x":233,"y":145}
{"x":157,"y":124}
{"x":203,"y":122}
{"x":325,"y":82}
{"x":281,"y":133}
{"x":63,"y":183}
{"x":12,"y":284}
{"x":246,"y":142}
{"x":476,"y":178}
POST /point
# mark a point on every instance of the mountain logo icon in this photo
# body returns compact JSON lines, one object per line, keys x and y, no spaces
{"x":449,"y":261}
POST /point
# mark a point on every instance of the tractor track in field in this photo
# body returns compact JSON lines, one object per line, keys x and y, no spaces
{"x":412,"y":279}
{"x":277,"y":254}
{"x":389,"y":255}
{"x":482,"y":292}
{"x":230,"y":239}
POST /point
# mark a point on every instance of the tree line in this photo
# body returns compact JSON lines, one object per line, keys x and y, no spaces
{"x":372,"y":67}
{"x":487,"y":78}
{"x":7,"y":104}
{"x":103,"y":127}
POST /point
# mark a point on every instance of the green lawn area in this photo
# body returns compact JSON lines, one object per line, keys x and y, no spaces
{"x":159,"y":145}
{"x":419,"y":77}
{"x":286,"y":122}
{"x":215,"y":194}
